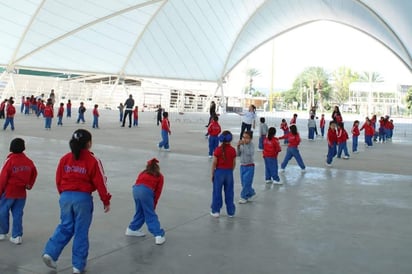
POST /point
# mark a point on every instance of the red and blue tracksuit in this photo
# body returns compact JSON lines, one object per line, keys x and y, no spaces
{"x":271,"y":149}
{"x":292,"y":151}
{"x":17,"y":175}
{"x":213,"y":130}
{"x":146,"y":194}
{"x":75,"y":182}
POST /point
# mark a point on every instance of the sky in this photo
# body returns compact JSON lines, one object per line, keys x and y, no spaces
{"x":325,"y":44}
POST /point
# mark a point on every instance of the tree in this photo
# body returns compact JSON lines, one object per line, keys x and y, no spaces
{"x":408,"y":99}
{"x":311,"y":87}
{"x":371,"y":77}
{"x":343,"y":76}
{"x":251,"y":73}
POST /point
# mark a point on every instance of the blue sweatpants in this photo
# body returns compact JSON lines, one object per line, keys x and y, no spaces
{"x":16,"y":207}
{"x":271,"y":169}
{"x":165,"y":139}
{"x":145,"y":211}
{"x":332,"y":151}
{"x":223,"y":179}
{"x":76,"y":212}
{"x":95,"y":121}
{"x":213,"y":144}
{"x":311,"y":133}
{"x":343,"y":147}
{"x":247,"y":173}
{"x":292,"y":152}
{"x":354,"y":143}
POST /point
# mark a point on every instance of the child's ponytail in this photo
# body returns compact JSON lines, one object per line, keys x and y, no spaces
{"x":271,"y":133}
{"x":152,"y":167}
{"x":79,"y":141}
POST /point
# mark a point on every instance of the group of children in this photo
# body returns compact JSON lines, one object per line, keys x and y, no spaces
{"x":78,"y":174}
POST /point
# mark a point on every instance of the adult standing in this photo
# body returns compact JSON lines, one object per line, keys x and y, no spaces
{"x":248,"y":120}
{"x":52,"y":97}
{"x":336,"y":115}
{"x":159,"y":114}
{"x":212,"y":112}
{"x":129,"y":104}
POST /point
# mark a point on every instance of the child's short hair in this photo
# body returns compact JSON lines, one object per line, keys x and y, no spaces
{"x":61,"y":104}
{"x":96,"y":105}
{"x":262,"y":119}
{"x":249,"y":133}
{"x":215,"y":118}
{"x":165,"y":114}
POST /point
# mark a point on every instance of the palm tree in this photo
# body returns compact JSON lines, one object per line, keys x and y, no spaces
{"x":251,"y":73}
{"x":371,"y":77}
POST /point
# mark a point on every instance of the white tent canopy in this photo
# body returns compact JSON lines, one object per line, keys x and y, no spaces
{"x":200,"y":40}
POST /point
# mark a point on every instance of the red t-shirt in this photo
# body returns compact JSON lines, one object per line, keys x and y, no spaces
{"x":17,"y":175}
{"x":332,"y":136}
{"x":342,"y":135}
{"x":214,"y":129}
{"x":95,"y":112}
{"x":271,"y":148}
{"x":166,"y":125}
{"x":60,"y":112}
{"x":225,"y":162}
{"x":355,"y":131}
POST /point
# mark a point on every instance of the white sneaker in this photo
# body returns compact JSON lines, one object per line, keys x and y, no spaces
{"x":76,"y":271}
{"x":17,"y":240}
{"x":253,"y":198}
{"x":160,"y":240}
{"x":356,"y":152}
{"x":328,"y":165}
{"x":282,"y":170}
{"x":242,"y":201}
{"x":346,"y":157}
{"x":268,"y":181}
{"x":167,"y":149}
{"x":210,"y":156}
{"x":277,"y":182}
{"x":231,"y":216}
{"x":49,"y":261}
{"x":216,"y":214}
{"x":2,"y":237}
{"x":135,"y":233}
{"x":303,"y":170}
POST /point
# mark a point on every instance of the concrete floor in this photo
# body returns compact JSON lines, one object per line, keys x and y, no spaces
{"x":352,"y":218}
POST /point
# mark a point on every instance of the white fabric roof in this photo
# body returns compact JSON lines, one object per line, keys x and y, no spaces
{"x":178,"y":39}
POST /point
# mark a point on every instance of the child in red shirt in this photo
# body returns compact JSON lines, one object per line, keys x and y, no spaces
{"x":224,"y":162}
{"x":355,"y":134}
{"x":17,"y":175}
{"x":271,"y":149}
{"x":60,"y":114}
{"x":165,"y":132}
{"x":146,"y":193}
{"x":322,"y":123}
{"x":135,"y":116}
{"x":213,"y":130}
{"x":79,"y":173}
{"x":369,"y":132}
{"x":292,"y":151}
{"x":10,"y":112}
{"x":48,"y":115}
{"x":342,"y":136}
{"x":332,"y":139}
{"x":285,"y":128}
{"x":95,"y":117}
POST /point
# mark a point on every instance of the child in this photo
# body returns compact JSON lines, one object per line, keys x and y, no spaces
{"x":121,"y":111}
{"x":369,"y":132}
{"x":355,"y":134}
{"x":95,"y":117}
{"x":82,"y":110}
{"x":246,"y":151}
{"x":135,"y":116}
{"x":40,"y":107}
{"x":26,"y":105}
{"x":165,"y":132}
{"x":285,"y":128}
{"x":48,"y":115}
{"x":224,"y":162}
{"x":271,"y":149}
{"x":292,"y":151}
{"x":382,"y":133}
{"x":322,"y":123}
{"x":311,"y":128}
{"x":79,"y":173}
{"x":10,"y":111}
{"x":69,"y":109}
{"x":293,"y":120}
{"x":146,"y":194}
{"x":342,"y":137}
{"x":213,"y":131}
{"x":60,"y":114}
{"x":391,"y":127}
{"x":263,"y":131}
{"x":17,"y":175}
{"x":332,"y":139}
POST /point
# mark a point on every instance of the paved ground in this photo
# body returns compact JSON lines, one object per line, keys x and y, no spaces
{"x":352,"y":218}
